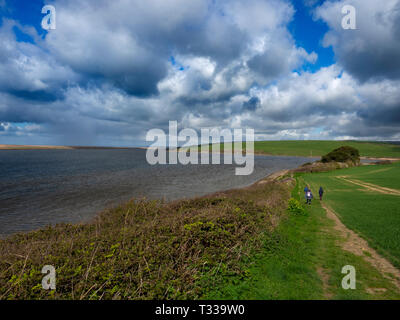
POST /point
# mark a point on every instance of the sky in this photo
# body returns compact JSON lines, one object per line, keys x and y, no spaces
{"x":112,"y":70}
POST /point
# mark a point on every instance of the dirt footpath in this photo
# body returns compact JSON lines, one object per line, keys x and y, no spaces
{"x":358,"y":246}
{"x":370,"y":186}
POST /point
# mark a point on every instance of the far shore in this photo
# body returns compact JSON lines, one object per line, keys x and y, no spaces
{"x":258,"y":153}
{"x":179,"y":149}
{"x":45,"y":147}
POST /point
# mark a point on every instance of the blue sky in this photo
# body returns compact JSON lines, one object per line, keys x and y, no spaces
{"x":308,"y":33}
{"x":25,"y":11}
{"x":111,"y":71}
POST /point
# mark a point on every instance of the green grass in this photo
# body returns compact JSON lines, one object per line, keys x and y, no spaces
{"x":373,"y":215}
{"x":385,"y":176}
{"x":287,"y":267}
{"x":283,"y":270}
{"x":319,"y":148}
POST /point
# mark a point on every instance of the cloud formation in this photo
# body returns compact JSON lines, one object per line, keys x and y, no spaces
{"x":371,"y":52}
{"x":114,"y":69}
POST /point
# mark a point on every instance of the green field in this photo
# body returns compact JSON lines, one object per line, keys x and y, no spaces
{"x":319,"y":148}
{"x":386,"y":176}
{"x":304,"y":259}
{"x":372,"y":214}
{"x":290,"y":266}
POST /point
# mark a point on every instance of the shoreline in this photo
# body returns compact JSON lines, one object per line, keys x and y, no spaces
{"x":274,"y":175}
{"x":49,"y":147}
{"x":267,"y":154}
{"x":269,"y":177}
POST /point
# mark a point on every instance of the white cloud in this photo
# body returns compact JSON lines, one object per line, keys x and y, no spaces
{"x":105,"y":76}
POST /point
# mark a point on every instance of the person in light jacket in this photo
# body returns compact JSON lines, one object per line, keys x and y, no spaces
{"x":306,"y":189}
{"x":309,"y":197}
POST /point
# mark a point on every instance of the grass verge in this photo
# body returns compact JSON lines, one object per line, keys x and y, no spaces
{"x":303,"y":260}
{"x":373,"y":215}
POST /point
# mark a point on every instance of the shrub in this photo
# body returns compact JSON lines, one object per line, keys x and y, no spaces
{"x":295,"y":207}
{"x":145,"y":249}
{"x":342,"y":154}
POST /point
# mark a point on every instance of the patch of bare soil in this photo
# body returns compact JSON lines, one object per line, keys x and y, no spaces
{"x":273,"y":176}
{"x":381,"y":159}
{"x":358,"y":246}
{"x":376,"y":290}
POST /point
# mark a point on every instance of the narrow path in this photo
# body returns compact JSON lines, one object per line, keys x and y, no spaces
{"x":358,"y":246}
{"x":323,"y":275}
{"x":379,"y":170}
{"x":370,"y":186}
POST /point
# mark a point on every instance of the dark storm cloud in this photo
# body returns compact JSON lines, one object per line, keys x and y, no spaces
{"x":366,"y":131}
{"x":251,"y":104}
{"x":14,"y":109}
{"x":212,"y":37}
{"x":38,"y":95}
{"x":372,"y":51}
{"x":267,"y":64}
{"x":377,"y":115}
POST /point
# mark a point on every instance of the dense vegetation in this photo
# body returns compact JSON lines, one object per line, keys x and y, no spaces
{"x":145,"y":249}
{"x":342,"y":154}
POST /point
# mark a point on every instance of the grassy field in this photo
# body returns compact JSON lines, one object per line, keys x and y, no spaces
{"x":374,"y":214}
{"x":319,"y":148}
{"x":386,"y":176}
{"x":303,"y":260}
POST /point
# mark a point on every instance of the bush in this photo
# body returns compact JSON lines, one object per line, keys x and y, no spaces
{"x":342,"y":154}
{"x":295,"y":207}
{"x":145,"y":249}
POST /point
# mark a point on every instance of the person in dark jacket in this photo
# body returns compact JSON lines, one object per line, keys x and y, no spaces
{"x":321,"y":193}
